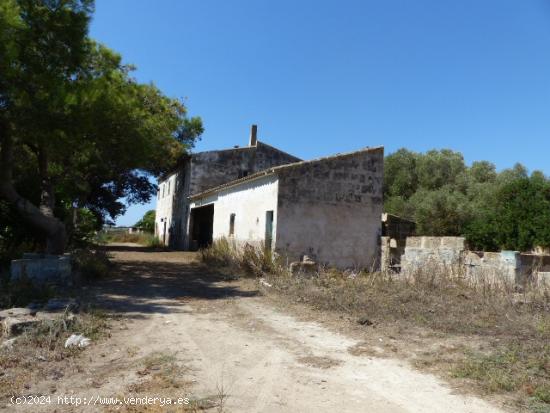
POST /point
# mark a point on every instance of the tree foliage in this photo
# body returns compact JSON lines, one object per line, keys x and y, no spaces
{"x":506,"y":210}
{"x":74,"y":123}
{"x":147,"y":222}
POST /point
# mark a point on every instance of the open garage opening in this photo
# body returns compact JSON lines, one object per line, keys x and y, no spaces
{"x":202,"y":226}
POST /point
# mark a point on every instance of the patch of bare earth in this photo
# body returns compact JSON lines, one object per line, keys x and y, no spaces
{"x":497,"y":346}
{"x":179,"y":330}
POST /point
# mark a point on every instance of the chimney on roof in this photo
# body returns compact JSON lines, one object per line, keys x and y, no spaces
{"x":253,"y":135}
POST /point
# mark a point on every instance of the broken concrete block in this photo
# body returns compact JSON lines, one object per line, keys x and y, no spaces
{"x":42,"y":269}
{"x":15,"y":321}
{"x":16,"y":312}
{"x":12,"y":326}
{"x":306,"y":266}
{"x":543,"y":278}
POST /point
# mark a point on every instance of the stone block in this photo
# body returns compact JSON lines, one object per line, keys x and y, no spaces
{"x":543,"y":279}
{"x":12,"y":326}
{"x":306,"y":266}
{"x":43,"y":269}
{"x":414,"y":242}
{"x":455,"y":243}
{"x":473,"y":258}
{"x":16,"y":312}
{"x":431,"y":243}
{"x":510,"y":258}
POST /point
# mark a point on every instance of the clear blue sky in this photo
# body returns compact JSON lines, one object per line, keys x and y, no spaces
{"x":320,"y":77}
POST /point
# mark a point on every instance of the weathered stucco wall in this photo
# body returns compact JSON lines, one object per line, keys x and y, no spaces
{"x":330,"y":209}
{"x":172,"y":206}
{"x":165,"y":211}
{"x":249,"y":201}
{"x":202,"y":171}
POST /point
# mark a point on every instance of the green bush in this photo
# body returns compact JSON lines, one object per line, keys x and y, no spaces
{"x":494,"y":211}
{"x":91,"y":265}
{"x":147,"y":223}
{"x":153,"y":242}
{"x":142,"y":238}
{"x":516,"y":219}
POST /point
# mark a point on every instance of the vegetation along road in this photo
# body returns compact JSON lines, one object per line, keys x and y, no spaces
{"x":181,"y":330}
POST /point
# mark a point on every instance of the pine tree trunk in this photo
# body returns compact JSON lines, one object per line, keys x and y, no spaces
{"x":41,"y":218}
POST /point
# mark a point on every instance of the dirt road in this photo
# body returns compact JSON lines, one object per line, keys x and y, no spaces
{"x":235,"y":349}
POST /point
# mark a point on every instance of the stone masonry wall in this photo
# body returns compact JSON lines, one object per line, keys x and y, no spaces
{"x":330,"y":210}
{"x":450,"y":253}
{"x":213,"y":168}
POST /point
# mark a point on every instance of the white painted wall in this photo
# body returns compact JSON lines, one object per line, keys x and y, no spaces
{"x":249,"y":202}
{"x":165,"y":205}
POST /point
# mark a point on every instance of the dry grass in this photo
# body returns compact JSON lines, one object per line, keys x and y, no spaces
{"x":251,"y":259}
{"x":164,"y":377}
{"x":513,"y":328}
{"x":39,"y":349}
{"x":144,"y":238}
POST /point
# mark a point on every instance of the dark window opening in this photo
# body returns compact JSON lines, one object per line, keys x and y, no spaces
{"x":268,"y":230}
{"x":231,"y":224}
{"x":243,"y":173}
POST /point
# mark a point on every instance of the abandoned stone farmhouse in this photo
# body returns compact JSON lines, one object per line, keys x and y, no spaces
{"x":328,"y":209}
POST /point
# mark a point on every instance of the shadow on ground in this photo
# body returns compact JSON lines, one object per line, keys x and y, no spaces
{"x":140,"y":287}
{"x":131,"y":248}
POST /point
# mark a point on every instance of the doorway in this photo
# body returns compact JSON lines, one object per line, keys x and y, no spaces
{"x":202,"y":227}
{"x":268,"y":230}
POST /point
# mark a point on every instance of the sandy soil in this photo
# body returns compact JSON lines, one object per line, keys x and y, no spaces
{"x":232,"y":341}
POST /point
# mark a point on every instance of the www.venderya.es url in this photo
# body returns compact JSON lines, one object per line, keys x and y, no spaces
{"x":97,"y":400}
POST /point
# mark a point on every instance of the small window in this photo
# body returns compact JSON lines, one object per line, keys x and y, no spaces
{"x":243,"y":173}
{"x":231,"y":225}
{"x":168,"y":190}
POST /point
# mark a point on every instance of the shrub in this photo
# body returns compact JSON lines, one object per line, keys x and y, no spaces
{"x":147,"y":223}
{"x":91,"y":265}
{"x":252,"y":259}
{"x":153,"y":242}
{"x":144,"y":238}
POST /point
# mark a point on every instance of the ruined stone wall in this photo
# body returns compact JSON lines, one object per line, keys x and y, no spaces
{"x":450,"y":254}
{"x":330,"y":210}
{"x":423,"y":252}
